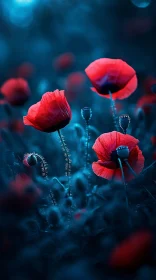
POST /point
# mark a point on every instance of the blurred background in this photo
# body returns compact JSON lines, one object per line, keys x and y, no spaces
{"x":49,"y":43}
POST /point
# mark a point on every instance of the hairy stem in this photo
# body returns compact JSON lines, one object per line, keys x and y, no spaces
{"x":87,"y":154}
{"x":114,"y":113}
{"x":124,"y":183}
{"x":67,"y":159}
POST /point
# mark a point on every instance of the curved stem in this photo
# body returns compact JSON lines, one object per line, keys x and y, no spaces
{"x":67,"y":159}
{"x":133,"y":172}
{"x":123,"y":179}
{"x":130,"y":168}
{"x":148,"y":167}
{"x":114,"y":113}
{"x":55,"y":178}
{"x":44,"y":165}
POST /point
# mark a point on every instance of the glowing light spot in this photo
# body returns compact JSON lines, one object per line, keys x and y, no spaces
{"x":25,"y":2}
{"x":141,"y":3}
{"x":21,"y":12}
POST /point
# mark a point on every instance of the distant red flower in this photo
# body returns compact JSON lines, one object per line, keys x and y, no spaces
{"x":148,"y":83}
{"x":132,"y":252}
{"x":3,"y":102}
{"x":16,"y":126}
{"x":21,"y":196}
{"x":154,"y":155}
{"x":153,"y":140}
{"x":75,"y":84}
{"x":64,"y":61}
{"x":16,"y":91}
{"x":50,"y":114}
{"x":25,"y":70}
{"x":78,"y":215}
{"x":146,"y":101}
{"x":113,"y":75}
{"x":107,"y":166}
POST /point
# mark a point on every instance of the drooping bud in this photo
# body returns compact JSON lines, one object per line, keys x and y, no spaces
{"x":124,"y":121}
{"x":30,"y":159}
{"x":122,"y":152}
{"x":86,"y":114}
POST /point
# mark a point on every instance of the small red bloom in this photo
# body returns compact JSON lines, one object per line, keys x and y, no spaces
{"x":16,"y":91}
{"x":50,"y":114}
{"x":132,"y":252}
{"x":64,"y":61}
{"x":25,"y":70}
{"x":107,"y":166}
{"x":113,"y":75}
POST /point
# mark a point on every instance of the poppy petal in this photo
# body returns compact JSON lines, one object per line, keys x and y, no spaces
{"x":108,"y":142}
{"x":136,"y":160}
{"x":102,"y":171}
{"x":112,"y":74}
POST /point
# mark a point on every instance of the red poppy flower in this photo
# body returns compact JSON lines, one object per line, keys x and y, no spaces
{"x":50,"y":114}
{"x":132,"y":252}
{"x":16,"y":91}
{"x":113,"y":75}
{"x":64,"y":61}
{"x":106,"y":147}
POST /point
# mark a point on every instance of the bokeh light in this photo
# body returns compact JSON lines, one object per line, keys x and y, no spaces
{"x":25,"y":2}
{"x":21,"y":12}
{"x":141,"y":3}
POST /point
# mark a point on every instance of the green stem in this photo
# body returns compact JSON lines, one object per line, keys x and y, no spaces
{"x":114,"y":113}
{"x":148,"y":167}
{"x":67,"y":159}
{"x":124,"y":183}
{"x":135,"y":175}
{"x":56,"y":179}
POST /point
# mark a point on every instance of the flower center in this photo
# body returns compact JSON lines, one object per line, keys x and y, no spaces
{"x":121,"y":152}
{"x":104,"y":85}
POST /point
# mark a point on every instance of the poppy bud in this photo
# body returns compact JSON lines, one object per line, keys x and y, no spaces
{"x":69,"y":202}
{"x":122,"y":152}
{"x":54,"y":216}
{"x":140,"y":114}
{"x":124,"y":121}
{"x":86,"y":113}
{"x":30,"y":159}
{"x":153,"y":88}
